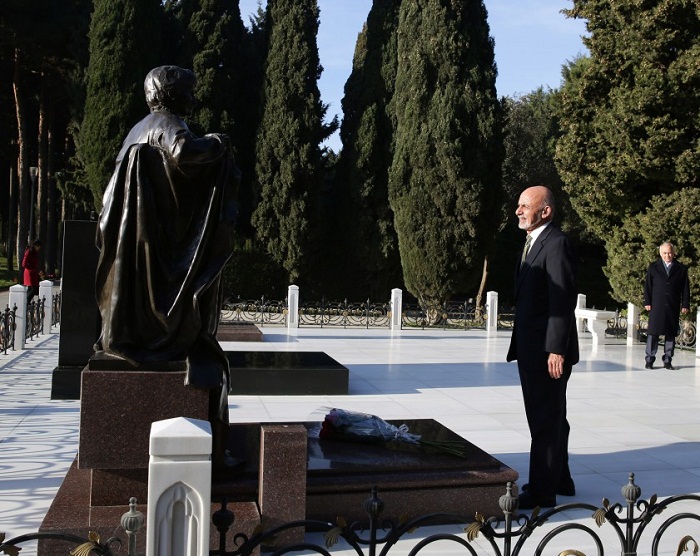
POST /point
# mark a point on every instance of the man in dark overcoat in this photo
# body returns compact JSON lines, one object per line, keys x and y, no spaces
{"x":545,"y":344}
{"x":666,"y":294}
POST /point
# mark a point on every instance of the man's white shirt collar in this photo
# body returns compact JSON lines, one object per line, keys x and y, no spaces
{"x":534,"y":234}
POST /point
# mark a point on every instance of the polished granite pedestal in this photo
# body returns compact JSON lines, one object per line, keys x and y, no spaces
{"x":286,"y":373}
{"x":238,"y":332}
{"x":116,"y":412}
{"x":412,"y":480}
{"x":118,"y":407}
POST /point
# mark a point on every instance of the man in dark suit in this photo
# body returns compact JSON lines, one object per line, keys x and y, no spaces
{"x":666,"y":293}
{"x":545,"y":344}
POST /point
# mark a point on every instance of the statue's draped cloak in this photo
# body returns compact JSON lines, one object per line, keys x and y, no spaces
{"x":164,"y":235}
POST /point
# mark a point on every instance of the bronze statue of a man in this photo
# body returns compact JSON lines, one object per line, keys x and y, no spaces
{"x":165,"y":234}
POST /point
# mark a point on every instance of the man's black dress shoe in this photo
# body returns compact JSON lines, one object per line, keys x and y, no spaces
{"x":668,"y":366}
{"x":567,"y":488}
{"x":649,"y":365}
{"x":527,"y":501}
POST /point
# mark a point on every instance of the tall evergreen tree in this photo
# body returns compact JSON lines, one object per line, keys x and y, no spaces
{"x":630,"y":113}
{"x":254,"y":53}
{"x":210,"y":38}
{"x":124,"y":47}
{"x":362,"y":170}
{"x":217,"y":32}
{"x":445,"y":179}
{"x":288,"y":168}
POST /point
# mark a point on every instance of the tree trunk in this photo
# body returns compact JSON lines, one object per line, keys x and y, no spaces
{"x":478,"y":309}
{"x":42,"y":191}
{"x":22,"y":159}
{"x":12,"y":210}
{"x":51,"y":238}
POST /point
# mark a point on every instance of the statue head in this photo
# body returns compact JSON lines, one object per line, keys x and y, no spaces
{"x":170,"y":89}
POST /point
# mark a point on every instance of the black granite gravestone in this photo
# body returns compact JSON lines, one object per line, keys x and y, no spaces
{"x":413,"y":479}
{"x":80,"y":317}
{"x":286,"y":373}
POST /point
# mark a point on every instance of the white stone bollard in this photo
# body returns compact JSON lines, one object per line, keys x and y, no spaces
{"x":179,"y":488}
{"x":46,"y":293}
{"x":632,"y":322}
{"x":580,"y":304}
{"x":491,"y":312}
{"x":697,"y":327}
{"x":396,"y":308}
{"x":18,"y":298}
{"x":293,"y":306}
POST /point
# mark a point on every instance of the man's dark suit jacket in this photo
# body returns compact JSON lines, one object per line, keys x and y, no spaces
{"x":545,"y":300}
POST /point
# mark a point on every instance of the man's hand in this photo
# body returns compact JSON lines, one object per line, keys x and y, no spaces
{"x":647,"y":307}
{"x":555,"y":364}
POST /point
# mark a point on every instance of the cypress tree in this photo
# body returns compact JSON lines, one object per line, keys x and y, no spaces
{"x":124,"y":47}
{"x":217,"y":31}
{"x":288,"y":168}
{"x":362,"y":171}
{"x":630,"y":111}
{"x":254,"y":53}
{"x":444,"y":182}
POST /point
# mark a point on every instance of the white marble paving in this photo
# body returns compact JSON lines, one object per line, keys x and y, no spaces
{"x":624,"y":419}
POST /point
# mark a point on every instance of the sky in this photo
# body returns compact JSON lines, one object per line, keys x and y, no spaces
{"x":533,"y":40}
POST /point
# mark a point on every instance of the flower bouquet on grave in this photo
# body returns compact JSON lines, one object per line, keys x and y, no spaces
{"x":342,"y":424}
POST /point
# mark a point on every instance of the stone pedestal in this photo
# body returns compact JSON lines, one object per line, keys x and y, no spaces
{"x":282,"y":478}
{"x":117,"y":409}
{"x":238,"y":332}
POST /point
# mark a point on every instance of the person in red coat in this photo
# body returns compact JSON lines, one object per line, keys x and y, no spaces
{"x":666,"y":294}
{"x":30,"y":263}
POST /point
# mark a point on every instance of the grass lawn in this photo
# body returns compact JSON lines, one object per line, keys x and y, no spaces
{"x":7,"y":279}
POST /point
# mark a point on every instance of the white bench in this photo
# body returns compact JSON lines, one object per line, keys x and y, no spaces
{"x":597,"y":322}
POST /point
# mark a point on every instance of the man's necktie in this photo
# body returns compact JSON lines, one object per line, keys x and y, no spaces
{"x":525,"y":249}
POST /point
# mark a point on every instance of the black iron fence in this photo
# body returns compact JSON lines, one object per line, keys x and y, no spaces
{"x":35,"y":318}
{"x":365,"y":314}
{"x":456,"y":315}
{"x":7,"y":329}
{"x":617,"y":327}
{"x":56,"y":309}
{"x":636,"y":525}
{"x":460,"y":315}
{"x":257,"y":311}
{"x":685,"y":339}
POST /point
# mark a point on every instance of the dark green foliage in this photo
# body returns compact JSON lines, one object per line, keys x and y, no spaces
{"x":530,"y":133}
{"x":210,"y":39}
{"x":632,"y":248}
{"x":217,"y":31}
{"x":531,"y":129}
{"x":444,"y":182}
{"x":374,"y":267}
{"x":124,"y":47}
{"x":630,"y":112}
{"x":288,"y":168}
{"x":251,"y":273}
{"x":248,"y":115}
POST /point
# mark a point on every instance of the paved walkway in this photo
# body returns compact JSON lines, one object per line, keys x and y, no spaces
{"x":623,"y":418}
